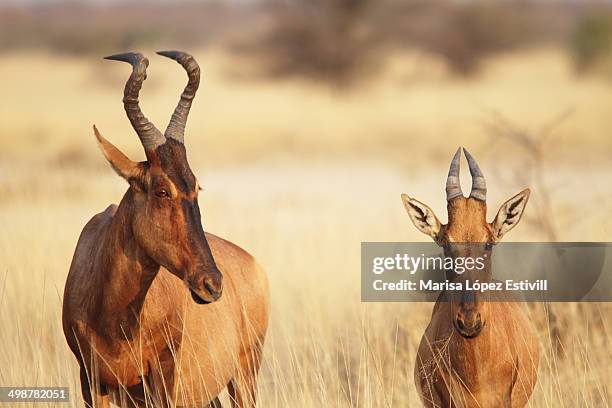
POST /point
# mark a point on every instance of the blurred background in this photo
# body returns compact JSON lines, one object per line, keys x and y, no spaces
{"x":312,"y":118}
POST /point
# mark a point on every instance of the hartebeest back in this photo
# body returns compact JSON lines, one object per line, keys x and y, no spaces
{"x":477,"y":351}
{"x":155,"y":309}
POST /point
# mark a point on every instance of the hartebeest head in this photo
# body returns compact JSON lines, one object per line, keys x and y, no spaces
{"x":467,"y":234}
{"x":163,"y":191}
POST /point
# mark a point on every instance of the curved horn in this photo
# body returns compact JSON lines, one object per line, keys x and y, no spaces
{"x":453,"y":187}
{"x":479,"y":186}
{"x":176,"y":127}
{"x":150,"y":137}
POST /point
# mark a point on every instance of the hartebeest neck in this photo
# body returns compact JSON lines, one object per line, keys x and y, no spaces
{"x":123,"y":276}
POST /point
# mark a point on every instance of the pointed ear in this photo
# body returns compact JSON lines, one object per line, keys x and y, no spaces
{"x":422,"y":217}
{"x":132,"y":172}
{"x":510,"y":214}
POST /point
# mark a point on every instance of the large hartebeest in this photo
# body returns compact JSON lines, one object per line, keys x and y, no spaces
{"x":479,"y":350}
{"x":143,"y":310}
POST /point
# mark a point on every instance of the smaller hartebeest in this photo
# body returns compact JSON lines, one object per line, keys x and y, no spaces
{"x":477,"y":351}
{"x":156,"y":311}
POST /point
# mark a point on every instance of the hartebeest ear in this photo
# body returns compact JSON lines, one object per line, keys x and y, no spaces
{"x":131,"y":171}
{"x":422,"y":217}
{"x":509,"y":214}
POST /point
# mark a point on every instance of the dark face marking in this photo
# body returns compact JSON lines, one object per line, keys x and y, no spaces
{"x":173,"y":161}
{"x":193,"y":221}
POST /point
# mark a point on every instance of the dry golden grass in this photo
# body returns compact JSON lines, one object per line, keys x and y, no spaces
{"x":299,"y":176}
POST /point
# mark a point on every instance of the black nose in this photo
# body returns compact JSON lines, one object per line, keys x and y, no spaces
{"x":468,"y":324}
{"x":208,"y":288}
{"x":213,"y":283}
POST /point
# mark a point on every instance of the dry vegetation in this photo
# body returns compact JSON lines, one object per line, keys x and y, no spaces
{"x":300,"y":175}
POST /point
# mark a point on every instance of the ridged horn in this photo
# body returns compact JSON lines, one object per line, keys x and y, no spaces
{"x":176,"y":127}
{"x":149,"y":135}
{"x":479,"y":185}
{"x":453,"y":187}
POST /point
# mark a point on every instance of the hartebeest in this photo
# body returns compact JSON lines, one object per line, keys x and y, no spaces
{"x":156,"y":310}
{"x":479,"y":350}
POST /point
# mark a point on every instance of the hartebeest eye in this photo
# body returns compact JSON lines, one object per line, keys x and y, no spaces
{"x":161,"y":193}
{"x":488,"y":246}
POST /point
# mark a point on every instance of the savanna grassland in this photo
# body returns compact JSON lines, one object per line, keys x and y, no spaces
{"x":300,"y":175}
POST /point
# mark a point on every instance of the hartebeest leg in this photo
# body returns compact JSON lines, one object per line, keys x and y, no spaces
{"x":243,"y":388}
{"x":160,"y":382}
{"x":216,"y":403}
{"x":97,"y":399}
{"x":85,"y":388}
